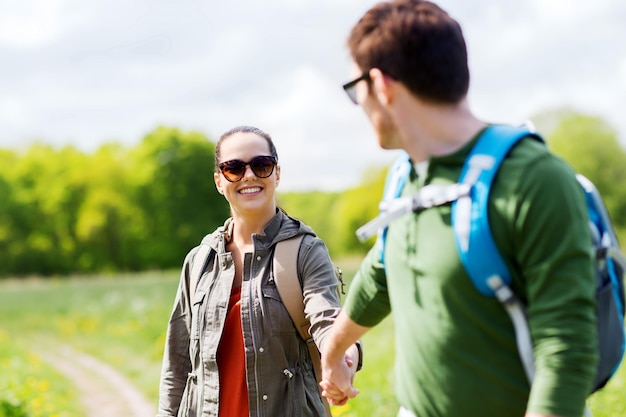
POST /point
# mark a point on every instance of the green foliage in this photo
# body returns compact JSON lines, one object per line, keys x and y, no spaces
{"x":316,"y":209}
{"x":119,"y":209}
{"x":106,"y":219}
{"x":358,"y":206}
{"x":176,"y":192}
{"x":40,"y":204}
{"x":336,"y":216}
{"x":12,"y":409}
{"x":64,"y":211}
{"x":591,"y":146}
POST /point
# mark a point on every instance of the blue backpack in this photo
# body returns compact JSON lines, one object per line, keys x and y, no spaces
{"x":479,"y":253}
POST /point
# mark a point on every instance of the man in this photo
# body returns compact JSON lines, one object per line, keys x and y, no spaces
{"x":455,"y":348}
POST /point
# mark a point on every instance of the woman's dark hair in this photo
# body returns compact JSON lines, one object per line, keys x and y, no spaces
{"x":244,"y":129}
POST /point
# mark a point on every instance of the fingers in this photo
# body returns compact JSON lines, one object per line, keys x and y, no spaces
{"x":338,"y":378}
{"x":338,"y":402}
{"x":336,"y":395}
{"x":330,"y":390}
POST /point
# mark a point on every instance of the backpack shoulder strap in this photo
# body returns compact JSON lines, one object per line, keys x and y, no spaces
{"x":288,"y":284}
{"x":397,"y":176}
{"x":477,"y":249}
{"x":610,"y":265}
{"x":286,"y":278}
{"x":197,"y":268}
{"x":394,"y":183}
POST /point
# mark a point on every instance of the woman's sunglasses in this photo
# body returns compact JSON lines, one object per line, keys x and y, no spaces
{"x":234,"y":170}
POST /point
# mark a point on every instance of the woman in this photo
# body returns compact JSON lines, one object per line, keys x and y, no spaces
{"x":231,"y":349}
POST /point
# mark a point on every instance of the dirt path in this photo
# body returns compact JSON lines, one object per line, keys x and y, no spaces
{"x":104,"y":391}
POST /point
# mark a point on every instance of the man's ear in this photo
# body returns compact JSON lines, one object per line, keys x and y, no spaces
{"x":382,"y":86}
{"x":277,"y":174}
{"x":218,"y":182}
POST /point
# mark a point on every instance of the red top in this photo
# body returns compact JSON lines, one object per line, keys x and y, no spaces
{"x":231,"y":362}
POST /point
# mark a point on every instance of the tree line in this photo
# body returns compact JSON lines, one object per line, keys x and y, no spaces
{"x":143,"y":207}
{"x":64,"y":211}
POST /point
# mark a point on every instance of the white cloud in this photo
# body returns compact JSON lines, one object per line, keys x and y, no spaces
{"x":27,"y":24}
{"x":87,"y":72}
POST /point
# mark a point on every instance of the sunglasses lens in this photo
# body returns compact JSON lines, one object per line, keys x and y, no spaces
{"x":233,"y":170}
{"x":263,"y":166}
{"x":352,"y":93}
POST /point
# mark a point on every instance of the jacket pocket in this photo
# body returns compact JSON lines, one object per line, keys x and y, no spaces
{"x":304,"y":395}
{"x":275,"y":312}
{"x":313,"y":405}
{"x":196,"y":317}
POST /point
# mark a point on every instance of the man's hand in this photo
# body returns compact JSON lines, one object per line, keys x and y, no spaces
{"x":338,"y":393}
{"x":340,"y":359}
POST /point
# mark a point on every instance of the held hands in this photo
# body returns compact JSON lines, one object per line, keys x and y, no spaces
{"x":338,"y":377}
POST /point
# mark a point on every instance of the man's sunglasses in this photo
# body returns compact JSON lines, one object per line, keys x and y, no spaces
{"x":234,"y":170}
{"x":350,"y":87}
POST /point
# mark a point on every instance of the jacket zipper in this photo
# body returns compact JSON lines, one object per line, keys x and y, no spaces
{"x":252,"y":334}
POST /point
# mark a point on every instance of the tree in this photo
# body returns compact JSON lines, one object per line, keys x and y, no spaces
{"x":316,"y":208}
{"x":64,"y":211}
{"x":335,"y":216}
{"x":41,"y":205}
{"x":357,"y":206}
{"x":8,"y":210}
{"x":108,"y":222}
{"x":590,"y":145}
{"x":173,"y":175}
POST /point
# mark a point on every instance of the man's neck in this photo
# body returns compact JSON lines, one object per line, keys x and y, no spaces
{"x":435,"y":130}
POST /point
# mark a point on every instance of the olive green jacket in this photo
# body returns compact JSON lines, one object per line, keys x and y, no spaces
{"x":280,"y":377}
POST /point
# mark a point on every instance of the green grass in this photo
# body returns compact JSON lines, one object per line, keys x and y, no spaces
{"x":119,"y":319}
{"x":31,"y":388}
{"x":122,"y":319}
{"x":610,"y":401}
{"x":375,"y":380}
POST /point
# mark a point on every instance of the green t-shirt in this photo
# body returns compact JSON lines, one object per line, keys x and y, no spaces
{"x":455,"y":348}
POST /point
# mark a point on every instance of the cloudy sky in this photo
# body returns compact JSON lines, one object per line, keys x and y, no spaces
{"x":88,"y":72}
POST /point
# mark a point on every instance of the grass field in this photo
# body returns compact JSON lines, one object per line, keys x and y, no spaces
{"x":121,"y":320}
{"x":30,"y":387}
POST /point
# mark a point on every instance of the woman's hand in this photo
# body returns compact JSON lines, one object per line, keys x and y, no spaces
{"x":340,"y":391}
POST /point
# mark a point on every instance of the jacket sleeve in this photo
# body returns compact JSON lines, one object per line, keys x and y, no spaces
{"x":176,"y":361}
{"x":319,"y":287}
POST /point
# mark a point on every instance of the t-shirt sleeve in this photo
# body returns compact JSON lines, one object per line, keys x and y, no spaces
{"x":367,"y":302}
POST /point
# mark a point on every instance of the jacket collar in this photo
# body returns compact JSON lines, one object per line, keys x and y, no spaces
{"x":280,"y":227}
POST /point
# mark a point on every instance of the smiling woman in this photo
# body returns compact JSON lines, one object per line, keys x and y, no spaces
{"x":229,"y":323}
{"x":237,"y":150}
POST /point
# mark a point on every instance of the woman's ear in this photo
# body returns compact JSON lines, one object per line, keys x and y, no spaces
{"x":277,"y":174}
{"x":218,"y":182}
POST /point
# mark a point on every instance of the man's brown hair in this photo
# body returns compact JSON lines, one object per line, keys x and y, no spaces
{"x":414,"y":42}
